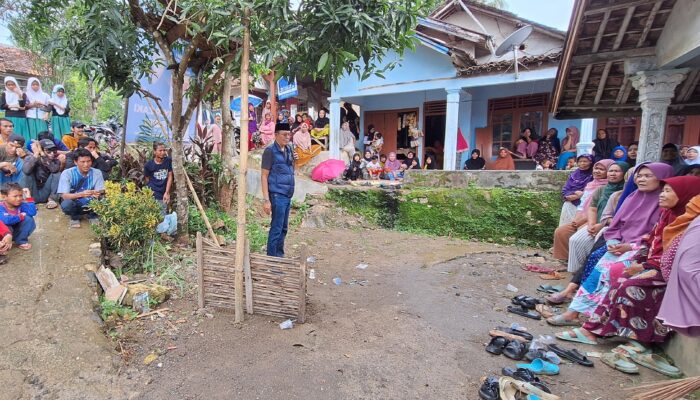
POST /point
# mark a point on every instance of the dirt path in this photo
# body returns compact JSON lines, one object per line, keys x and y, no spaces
{"x":52,"y":346}
{"x":416,"y":329}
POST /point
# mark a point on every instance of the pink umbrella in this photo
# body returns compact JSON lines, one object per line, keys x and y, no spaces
{"x":327,"y":170}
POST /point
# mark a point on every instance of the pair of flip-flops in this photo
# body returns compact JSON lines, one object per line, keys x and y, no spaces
{"x":507,"y":388}
{"x":528,"y":302}
{"x":513,"y":349}
{"x":524,"y":312}
{"x":525,"y":375}
{"x":550,"y":288}
{"x":571,"y":355}
{"x":539,"y":269}
{"x":620,"y":359}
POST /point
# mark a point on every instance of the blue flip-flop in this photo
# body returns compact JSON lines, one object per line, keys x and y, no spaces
{"x":541,"y":367}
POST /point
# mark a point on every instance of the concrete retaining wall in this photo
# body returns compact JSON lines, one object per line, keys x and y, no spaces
{"x":528,"y":180}
{"x":685,"y":352}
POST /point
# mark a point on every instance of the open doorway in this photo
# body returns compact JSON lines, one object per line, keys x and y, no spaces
{"x":435,"y":121}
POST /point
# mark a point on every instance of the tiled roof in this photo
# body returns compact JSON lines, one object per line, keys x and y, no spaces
{"x":498,"y":66}
{"x":14,"y":60}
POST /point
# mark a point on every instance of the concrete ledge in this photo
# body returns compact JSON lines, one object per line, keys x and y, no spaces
{"x":528,"y":180}
{"x":685,"y":352}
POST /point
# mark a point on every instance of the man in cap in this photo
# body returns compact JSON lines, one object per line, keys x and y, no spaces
{"x":11,"y":159}
{"x":42,"y":172}
{"x":77,"y":132}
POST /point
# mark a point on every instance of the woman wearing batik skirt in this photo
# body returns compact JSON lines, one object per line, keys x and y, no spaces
{"x":632,"y":303}
{"x":13,"y":102}
{"x":624,"y":238}
{"x":60,"y":111}
{"x":38,"y":103}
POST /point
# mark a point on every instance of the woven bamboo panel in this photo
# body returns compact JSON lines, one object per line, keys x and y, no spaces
{"x":273,"y":286}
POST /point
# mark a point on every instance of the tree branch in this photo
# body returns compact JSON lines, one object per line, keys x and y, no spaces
{"x":201,"y":93}
{"x":187,"y":55}
{"x":140,"y":18}
{"x":156,"y":100}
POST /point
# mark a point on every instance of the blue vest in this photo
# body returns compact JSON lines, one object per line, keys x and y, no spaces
{"x":281,"y":178}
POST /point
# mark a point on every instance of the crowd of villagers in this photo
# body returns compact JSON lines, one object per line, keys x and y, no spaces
{"x":308,"y":137}
{"x":549,"y":152}
{"x":47,"y":158}
{"x":629,"y":235}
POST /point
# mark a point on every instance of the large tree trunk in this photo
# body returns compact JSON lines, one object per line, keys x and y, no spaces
{"x":178,"y":127}
{"x":227,"y":181}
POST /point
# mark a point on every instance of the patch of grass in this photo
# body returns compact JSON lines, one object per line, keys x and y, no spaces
{"x":255,"y":229}
{"x":113,"y":309}
{"x":508,"y":216}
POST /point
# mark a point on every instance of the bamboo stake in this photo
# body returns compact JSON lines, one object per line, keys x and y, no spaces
{"x":201,"y":211}
{"x":242,"y":171}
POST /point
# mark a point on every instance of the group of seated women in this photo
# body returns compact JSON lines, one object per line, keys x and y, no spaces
{"x":550,"y":153}
{"x":633,"y":250}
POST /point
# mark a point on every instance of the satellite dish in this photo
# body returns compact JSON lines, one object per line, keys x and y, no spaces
{"x":512,"y":43}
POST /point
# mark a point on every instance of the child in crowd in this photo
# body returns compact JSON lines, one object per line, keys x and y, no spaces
{"x":545,"y":165}
{"x":571,"y":163}
{"x":374,"y":168}
{"x":377,"y":143}
{"x":382,"y":160}
{"x":159,"y":175}
{"x":402,"y":170}
{"x":17,"y":212}
{"x":355,"y":169}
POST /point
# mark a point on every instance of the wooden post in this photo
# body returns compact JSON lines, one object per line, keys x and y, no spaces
{"x":302,"y":285}
{"x":248,"y":279}
{"x":242,"y":171}
{"x":122,"y":145}
{"x":273,"y":94}
{"x":200,"y":270}
{"x":201,"y":211}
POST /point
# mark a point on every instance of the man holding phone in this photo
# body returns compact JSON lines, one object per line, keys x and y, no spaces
{"x":12,"y":154}
{"x":78,"y":186}
{"x":277,"y":181}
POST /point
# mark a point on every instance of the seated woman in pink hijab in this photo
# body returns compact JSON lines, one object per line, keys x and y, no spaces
{"x":303,"y":147}
{"x":267,"y":130}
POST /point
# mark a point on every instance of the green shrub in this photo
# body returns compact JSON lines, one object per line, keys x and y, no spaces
{"x":127,"y":217}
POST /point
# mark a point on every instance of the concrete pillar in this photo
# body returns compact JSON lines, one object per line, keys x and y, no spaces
{"x":656,"y":89}
{"x":334,"y":141}
{"x":451,"y":126}
{"x":585,"y":141}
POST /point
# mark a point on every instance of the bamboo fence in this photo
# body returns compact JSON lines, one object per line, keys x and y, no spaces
{"x":273,"y":286}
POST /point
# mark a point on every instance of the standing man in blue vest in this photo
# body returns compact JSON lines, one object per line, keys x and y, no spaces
{"x":278,"y":188}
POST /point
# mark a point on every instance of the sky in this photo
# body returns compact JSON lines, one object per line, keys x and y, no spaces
{"x":554,"y":13}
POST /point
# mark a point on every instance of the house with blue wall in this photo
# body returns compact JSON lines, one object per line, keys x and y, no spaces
{"x":453,"y":83}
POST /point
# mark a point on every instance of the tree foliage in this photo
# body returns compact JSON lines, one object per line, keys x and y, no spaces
{"x":120,"y":41}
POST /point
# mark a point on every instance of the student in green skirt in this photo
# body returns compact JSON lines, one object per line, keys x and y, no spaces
{"x":60,"y":110}
{"x":12,"y":102}
{"x":37,"y":106}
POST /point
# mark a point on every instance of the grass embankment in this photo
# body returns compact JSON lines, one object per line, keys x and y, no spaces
{"x":507,"y":216}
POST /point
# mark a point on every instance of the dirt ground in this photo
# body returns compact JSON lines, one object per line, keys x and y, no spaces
{"x":413,"y":324}
{"x":52,"y":344}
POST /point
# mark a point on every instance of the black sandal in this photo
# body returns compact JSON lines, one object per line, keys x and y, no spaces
{"x":515,"y":350}
{"x":490,"y":389}
{"x":525,"y":375}
{"x":496,"y":345}
{"x":524,"y":312}
{"x":571,"y":355}
{"x":525,"y":301}
{"x":516,"y":332}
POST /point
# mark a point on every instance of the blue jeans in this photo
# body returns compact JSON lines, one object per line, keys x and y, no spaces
{"x":75,"y":210}
{"x":22,"y":230}
{"x":47,"y":192}
{"x":281,"y":205}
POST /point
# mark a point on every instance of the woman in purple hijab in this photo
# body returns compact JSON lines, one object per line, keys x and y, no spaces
{"x":573,"y":189}
{"x":635,"y":218}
